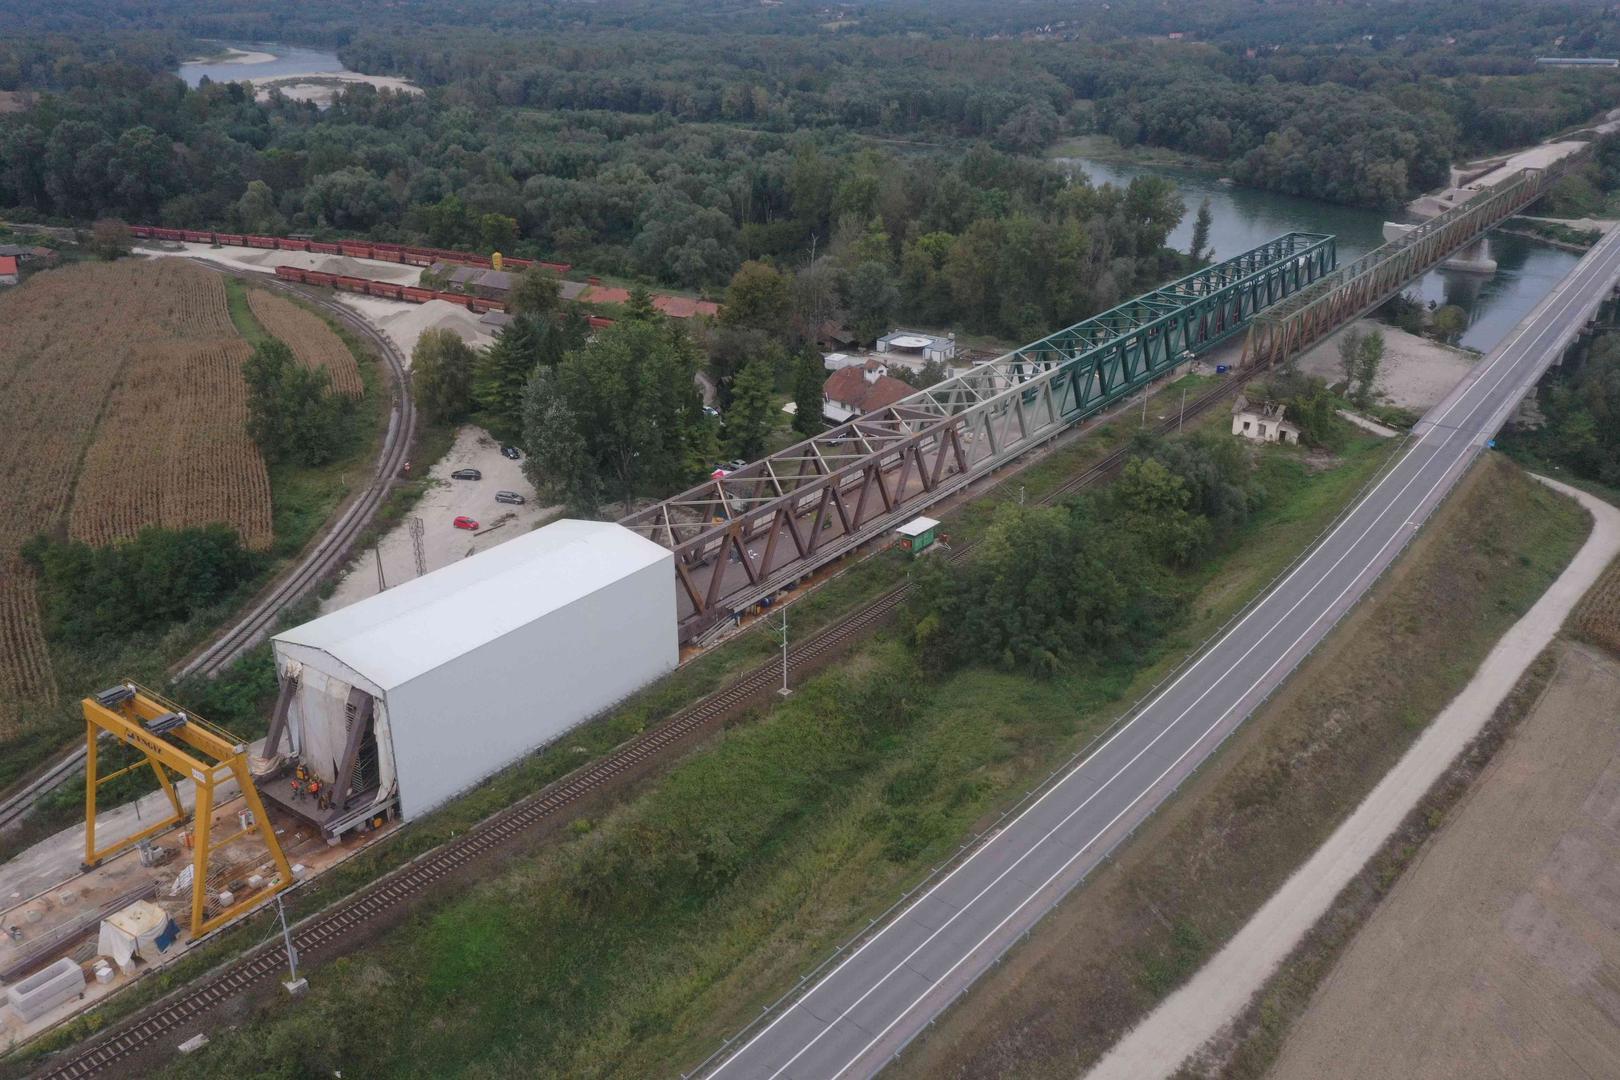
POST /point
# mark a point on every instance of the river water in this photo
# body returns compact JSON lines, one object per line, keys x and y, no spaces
{"x":1245,"y":218}
{"x":289,"y":60}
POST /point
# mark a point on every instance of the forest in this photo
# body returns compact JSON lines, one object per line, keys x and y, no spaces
{"x":673,"y":142}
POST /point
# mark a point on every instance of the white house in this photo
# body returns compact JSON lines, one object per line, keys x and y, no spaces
{"x":1262,"y":421}
{"x":915,"y":343}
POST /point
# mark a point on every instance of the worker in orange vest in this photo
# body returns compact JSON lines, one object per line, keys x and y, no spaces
{"x":315,"y":789}
{"x":297,"y":789}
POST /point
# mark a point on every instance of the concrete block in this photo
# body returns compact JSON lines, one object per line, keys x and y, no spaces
{"x":193,"y":1044}
{"x":44,"y":990}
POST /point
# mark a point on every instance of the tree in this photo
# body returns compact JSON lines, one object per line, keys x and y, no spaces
{"x":497,"y":232}
{"x":535,"y":292}
{"x":758,"y":298}
{"x":256,"y":209}
{"x":749,"y":420}
{"x":1155,"y":505}
{"x":292,"y":413}
{"x":559,"y":463}
{"x":1367,"y":365}
{"x":1449,"y":323}
{"x":441,"y":375}
{"x":1200,"y":236}
{"x":501,"y":373}
{"x":1350,"y":357}
{"x":871,"y":296}
{"x":640,"y":305}
{"x":110,"y":238}
{"x":809,"y":376}
{"x":161,"y":577}
{"x":620,"y":413}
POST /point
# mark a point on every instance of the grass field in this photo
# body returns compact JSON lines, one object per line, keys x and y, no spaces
{"x":1196,"y":871}
{"x":632,"y":947}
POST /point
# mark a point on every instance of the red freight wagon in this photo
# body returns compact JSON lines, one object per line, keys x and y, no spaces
{"x":140,"y":232}
{"x":413,"y":257}
{"x":261,"y":241}
{"x":558,"y":268}
{"x":352,"y":284}
{"x":323,"y":249}
{"x":385,"y":289}
{"x":385,"y":254}
{"x":454,"y":298}
{"x":233,"y":239}
{"x":597,"y":322}
{"x":417,"y":296}
{"x":291,"y":273}
{"x":196,"y":236}
{"x":284,"y":243}
{"x":353,"y":250}
{"x":168,"y":234}
{"x":315,"y":277}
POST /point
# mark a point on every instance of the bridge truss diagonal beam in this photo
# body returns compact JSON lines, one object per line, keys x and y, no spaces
{"x":850,"y":483}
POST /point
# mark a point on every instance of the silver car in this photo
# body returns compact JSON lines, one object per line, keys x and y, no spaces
{"x":510,"y":497}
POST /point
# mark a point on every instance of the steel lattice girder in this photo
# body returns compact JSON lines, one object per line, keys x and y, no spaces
{"x":815,"y":498}
{"x":1381,"y":273}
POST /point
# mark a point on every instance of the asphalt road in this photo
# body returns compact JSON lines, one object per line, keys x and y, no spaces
{"x":859,"y":1015}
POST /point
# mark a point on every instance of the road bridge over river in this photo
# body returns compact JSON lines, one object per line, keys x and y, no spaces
{"x":856,"y":1015}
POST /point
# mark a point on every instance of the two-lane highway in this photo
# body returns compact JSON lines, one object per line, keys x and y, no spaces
{"x":858,"y":1016}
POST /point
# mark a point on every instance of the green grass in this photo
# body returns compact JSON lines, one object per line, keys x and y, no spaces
{"x":862,"y":580}
{"x":1194,"y":874}
{"x":631,"y":947}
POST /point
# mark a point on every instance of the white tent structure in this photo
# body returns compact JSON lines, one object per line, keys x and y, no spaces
{"x":423,"y":690}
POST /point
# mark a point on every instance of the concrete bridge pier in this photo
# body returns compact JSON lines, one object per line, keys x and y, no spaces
{"x":1475,"y":258}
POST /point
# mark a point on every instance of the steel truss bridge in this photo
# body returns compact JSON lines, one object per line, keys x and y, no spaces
{"x":743,"y":536}
{"x":1350,"y":291}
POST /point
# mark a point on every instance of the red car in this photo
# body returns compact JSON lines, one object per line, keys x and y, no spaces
{"x":466,"y":523}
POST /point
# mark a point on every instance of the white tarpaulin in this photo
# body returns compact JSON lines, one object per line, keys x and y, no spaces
{"x":132,"y":932}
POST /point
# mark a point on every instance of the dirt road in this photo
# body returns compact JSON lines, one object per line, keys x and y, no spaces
{"x":1214,"y":996}
{"x":1499,"y":953}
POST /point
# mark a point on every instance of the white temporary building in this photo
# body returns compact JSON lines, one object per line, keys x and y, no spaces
{"x":462,"y":671}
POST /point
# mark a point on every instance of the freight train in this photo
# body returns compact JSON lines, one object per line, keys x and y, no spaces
{"x":355,"y":249}
{"x":388,"y":290}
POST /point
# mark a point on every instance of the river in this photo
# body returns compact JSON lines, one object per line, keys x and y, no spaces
{"x":286,"y":60}
{"x":1244,"y":218}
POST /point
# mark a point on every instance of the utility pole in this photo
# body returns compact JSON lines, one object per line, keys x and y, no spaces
{"x":295,"y":986}
{"x":784,"y":691}
{"x":1144,"y":406}
{"x":1183,"y":415}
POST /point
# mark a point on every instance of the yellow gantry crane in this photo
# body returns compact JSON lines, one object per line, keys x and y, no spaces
{"x":160,"y":731}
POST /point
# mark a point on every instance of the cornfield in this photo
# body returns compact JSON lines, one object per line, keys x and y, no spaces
{"x":1598,"y":617}
{"x":123,"y":405}
{"x":309,"y":338}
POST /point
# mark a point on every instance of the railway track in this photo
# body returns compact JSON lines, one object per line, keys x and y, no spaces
{"x":331,"y":551}
{"x":325,"y":931}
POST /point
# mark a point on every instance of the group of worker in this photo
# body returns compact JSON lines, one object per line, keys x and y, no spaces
{"x":305,"y":784}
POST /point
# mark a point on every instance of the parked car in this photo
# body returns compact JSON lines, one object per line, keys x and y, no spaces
{"x":465,"y":522}
{"x":511,"y":452}
{"x":733,"y":466}
{"x":510,"y":497}
{"x":466,"y":474}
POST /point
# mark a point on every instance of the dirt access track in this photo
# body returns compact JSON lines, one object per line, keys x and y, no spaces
{"x":1498,"y":954}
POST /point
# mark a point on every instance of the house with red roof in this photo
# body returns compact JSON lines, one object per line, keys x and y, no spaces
{"x":8,"y":269}
{"x":861,"y":388}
